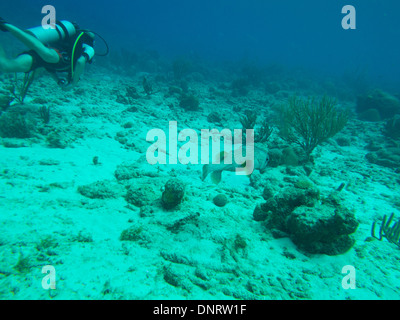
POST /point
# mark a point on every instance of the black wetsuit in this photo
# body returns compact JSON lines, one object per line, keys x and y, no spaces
{"x":64,"y":49}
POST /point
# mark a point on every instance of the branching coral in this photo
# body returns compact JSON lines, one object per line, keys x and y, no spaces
{"x":391,"y":233}
{"x":309,"y":123}
{"x":148,"y":88}
{"x":23,"y":87}
{"x":44,"y":113}
{"x":249,"y":121}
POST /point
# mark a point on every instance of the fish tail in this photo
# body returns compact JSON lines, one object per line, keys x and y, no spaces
{"x":205,"y":172}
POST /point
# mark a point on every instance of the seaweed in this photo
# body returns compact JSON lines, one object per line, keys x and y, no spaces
{"x":23,"y":264}
{"x":20,"y":90}
{"x":148,"y":88}
{"x":45,"y":114}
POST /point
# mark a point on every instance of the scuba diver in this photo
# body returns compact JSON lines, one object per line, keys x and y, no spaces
{"x":63,"y":51}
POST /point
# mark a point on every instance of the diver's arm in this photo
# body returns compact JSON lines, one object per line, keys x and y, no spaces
{"x":48,"y":55}
{"x":86,"y":57}
{"x":79,"y":68}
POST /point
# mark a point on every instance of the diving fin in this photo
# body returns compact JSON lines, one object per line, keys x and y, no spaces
{"x":2,"y":27}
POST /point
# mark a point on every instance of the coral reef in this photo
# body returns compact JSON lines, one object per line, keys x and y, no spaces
{"x":140,"y":195}
{"x":189,"y":102}
{"x":323,"y":229}
{"x":314,"y":227}
{"x":100,"y":190}
{"x":371,"y":115}
{"x":84,"y":178}
{"x":133,"y":233}
{"x":276,"y":209}
{"x":387,"y":157}
{"x":392,"y":127}
{"x":386,"y":104}
{"x":220,"y":200}
{"x":173,"y":193}
{"x":214,"y":117}
{"x":57,"y":139}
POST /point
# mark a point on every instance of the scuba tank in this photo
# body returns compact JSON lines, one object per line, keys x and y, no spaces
{"x":64,"y":30}
{"x":67,"y":32}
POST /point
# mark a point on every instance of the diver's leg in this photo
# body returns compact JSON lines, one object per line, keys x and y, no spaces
{"x":23,"y":63}
{"x":2,"y":22}
{"x":48,"y":55}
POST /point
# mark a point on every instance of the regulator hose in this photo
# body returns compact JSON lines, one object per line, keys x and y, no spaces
{"x":104,"y":41}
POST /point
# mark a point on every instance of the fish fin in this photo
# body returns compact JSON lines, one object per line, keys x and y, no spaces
{"x":248,"y":173}
{"x":221,"y":156}
{"x":205,"y":172}
{"x":247,"y":170}
{"x":216,"y":177}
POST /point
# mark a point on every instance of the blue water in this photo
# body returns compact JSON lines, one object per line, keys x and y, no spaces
{"x":306,"y":33}
{"x":77,"y":192}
